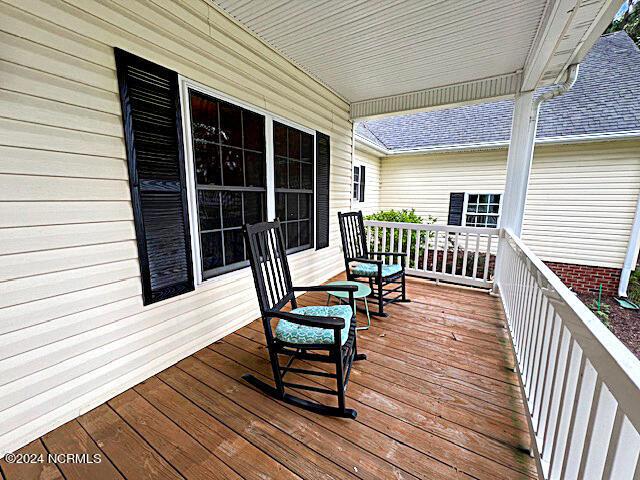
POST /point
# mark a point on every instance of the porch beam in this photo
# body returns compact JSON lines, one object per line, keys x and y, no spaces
{"x":475,"y":91}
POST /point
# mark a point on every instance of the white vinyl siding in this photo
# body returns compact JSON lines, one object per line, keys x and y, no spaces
{"x":580,"y":204}
{"x":371,"y":163}
{"x":73,"y":330}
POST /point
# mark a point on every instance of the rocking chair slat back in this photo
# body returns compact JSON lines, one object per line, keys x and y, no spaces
{"x":269,"y":264}
{"x":352,"y":231}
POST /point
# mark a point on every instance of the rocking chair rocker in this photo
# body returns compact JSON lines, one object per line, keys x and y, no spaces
{"x":362,"y":265}
{"x":315,"y":334}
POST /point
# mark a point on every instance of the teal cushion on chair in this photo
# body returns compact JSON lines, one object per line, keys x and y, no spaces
{"x":293,"y":333}
{"x":371,"y":270}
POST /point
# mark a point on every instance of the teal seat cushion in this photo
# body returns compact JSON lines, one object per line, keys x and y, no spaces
{"x":371,"y":270}
{"x":293,"y":333}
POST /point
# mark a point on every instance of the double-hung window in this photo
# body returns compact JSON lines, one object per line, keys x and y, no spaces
{"x":358,"y":183}
{"x":482,"y":209}
{"x":246,"y":174}
{"x":293,"y":150}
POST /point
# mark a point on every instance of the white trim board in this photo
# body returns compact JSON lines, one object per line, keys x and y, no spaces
{"x":567,"y":139}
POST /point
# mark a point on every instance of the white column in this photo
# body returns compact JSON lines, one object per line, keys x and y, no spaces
{"x":523,"y":134}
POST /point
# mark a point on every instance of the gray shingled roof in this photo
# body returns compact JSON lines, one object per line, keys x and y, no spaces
{"x":604,"y":99}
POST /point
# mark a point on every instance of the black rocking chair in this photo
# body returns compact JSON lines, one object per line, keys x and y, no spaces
{"x":318,"y":334}
{"x":387,"y":281}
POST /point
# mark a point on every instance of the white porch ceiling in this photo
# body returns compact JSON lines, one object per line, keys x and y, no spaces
{"x":399,"y":55}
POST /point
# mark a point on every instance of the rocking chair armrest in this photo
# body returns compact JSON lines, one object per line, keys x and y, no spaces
{"x":365,"y":260}
{"x":327,"y":288}
{"x":389,"y":254}
{"x":307,"y":320}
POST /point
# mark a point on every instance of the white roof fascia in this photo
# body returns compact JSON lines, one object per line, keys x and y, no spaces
{"x":567,"y":139}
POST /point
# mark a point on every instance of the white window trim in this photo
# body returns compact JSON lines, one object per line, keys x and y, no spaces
{"x":353,"y":183}
{"x":185,"y":84}
{"x":466,"y":204}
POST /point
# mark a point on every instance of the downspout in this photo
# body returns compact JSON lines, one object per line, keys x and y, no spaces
{"x":558,"y":89}
{"x":632,"y":252}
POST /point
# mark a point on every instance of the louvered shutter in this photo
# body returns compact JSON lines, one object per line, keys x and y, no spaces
{"x":150,"y":102}
{"x":456,"y":204}
{"x":323,"y":164}
{"x":362,"y":182}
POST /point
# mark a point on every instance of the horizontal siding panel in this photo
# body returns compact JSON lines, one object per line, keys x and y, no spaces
{"x":40,"y":137}
{"x":51,"y":237}
{"x":26,"y":108}
{"x":371,"y":202}
{"x":25,"y":214}
{"x":27,"y":187}
{"x":46,"y":85}
{"x":26,"y":161}
{"x":38,"y":263}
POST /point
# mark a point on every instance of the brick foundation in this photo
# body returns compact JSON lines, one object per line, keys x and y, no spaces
{"x":586,"y":279}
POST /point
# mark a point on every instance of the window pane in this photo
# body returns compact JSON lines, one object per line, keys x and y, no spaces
{"x":306,"y":152}
{"x":292,"y":234}
{"x":253,"y":207}
{"x":253,"y":125}
{"x":207,"y":160}
{"x":471,"y":207}
{"x":494,"y":208}
{"x":282,"y":176}
{"x":280,"y":139}
{"x":473,"y":198}
{"x":211,"y":250}
{"x":254,"y":168}
{"x":483,"y":199}
{"x":307,"y":175}
{"x":304,"y":233}
{"x":303,"y":205}
{"x":495,"y":198}
{"x":233,"y":246}
{"x":492,"y":221}
{"x":209,"y":209}
{"x":294,"y":143}
{"x":232,"y":174}
{"x":230,"y":124}
{"x":482,"y":208}
{"x":204,"y":118}
{"x":281,"y":206}
{"x":356,"y":174}
{"x":292,"y":206}
{"x":294,"y":174}
{"x":231,"y":209}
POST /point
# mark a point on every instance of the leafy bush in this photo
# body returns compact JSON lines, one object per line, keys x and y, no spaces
{"x":602,"y":311}
{"x":403,"y":216}
{"x":633,"y":290}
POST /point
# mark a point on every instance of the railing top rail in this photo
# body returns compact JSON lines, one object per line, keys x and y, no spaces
{"x":434,"y":228}
{"x":618,"y":368}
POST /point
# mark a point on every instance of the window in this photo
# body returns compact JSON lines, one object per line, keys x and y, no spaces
{"x":293,"y":158}
{"x":482,"y":209}
{"x":358,"y":182}
{"x":229,"y":161}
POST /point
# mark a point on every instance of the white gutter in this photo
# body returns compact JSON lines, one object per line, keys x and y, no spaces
{"x":631,"y":257}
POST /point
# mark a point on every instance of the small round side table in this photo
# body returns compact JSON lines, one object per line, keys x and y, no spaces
{"x":362,"y":293}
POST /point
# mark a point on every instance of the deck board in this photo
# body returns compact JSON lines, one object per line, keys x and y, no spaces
{"x":437,"y":398}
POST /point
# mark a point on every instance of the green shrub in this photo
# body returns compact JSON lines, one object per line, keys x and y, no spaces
{"x":633,"y":290}
{"x":403,"y":216}
{"x":602,"y":311}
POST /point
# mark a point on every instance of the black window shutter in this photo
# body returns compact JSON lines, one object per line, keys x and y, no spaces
{"x":323,"y":164}
{"x":456,"y":204}
{"x":150,"y":101}
{"x":362,"y":182}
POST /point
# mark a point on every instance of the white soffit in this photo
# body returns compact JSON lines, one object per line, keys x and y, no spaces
{"x":390,"y":56}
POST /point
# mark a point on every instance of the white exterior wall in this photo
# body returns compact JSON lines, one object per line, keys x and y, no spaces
{"x":371,"y":161}
{"x":73,"y":330}
{"x":580,"y":204}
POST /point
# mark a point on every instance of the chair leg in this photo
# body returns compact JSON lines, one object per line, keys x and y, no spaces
{"x":404,"y":289}
{"x":380,"y":312}
{"x":339,"y":379}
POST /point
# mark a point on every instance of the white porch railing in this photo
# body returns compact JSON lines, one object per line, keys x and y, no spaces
{"x":582,"y":385}
{"x":461,"y":255}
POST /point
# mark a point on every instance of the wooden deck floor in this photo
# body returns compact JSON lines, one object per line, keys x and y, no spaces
{"x":436,"y":399}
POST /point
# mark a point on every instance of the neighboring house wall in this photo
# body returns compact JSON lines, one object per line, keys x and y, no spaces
{"x":73,"y":330}
{"x":366,"y":157}
{"x":580,"y":204}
